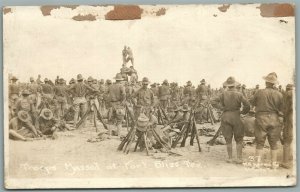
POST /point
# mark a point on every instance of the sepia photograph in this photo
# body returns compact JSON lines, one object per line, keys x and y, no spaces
{"x":149,"y":96}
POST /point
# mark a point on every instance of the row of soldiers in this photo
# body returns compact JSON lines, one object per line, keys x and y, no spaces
{"x":41,"y":106}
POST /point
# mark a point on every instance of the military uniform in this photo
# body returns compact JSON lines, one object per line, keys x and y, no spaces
{"x":164,"y":94}
{"x":79,"y":91}
{"x":231,"y":123}
{"x":13,"y":92}
{"x":117,"y":97}
{"x":60,"y":97}
{"x":145,"y":99}
{"x":189,"y":94}
{"x":268,"y":104}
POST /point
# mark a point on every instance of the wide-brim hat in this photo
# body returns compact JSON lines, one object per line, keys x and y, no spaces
{"x":271,"y":78}
{"x":23,"y":116}
{"x":145,"y":80}
{"x":72,"y":81}
{"x":185,"y":108}
{"x":14,"y":78}
{"x":26,"y":92}
{"x":230,"y":82}
{"x":79,"y":77}
{"x":46,"y":111}
{"x":189,"y":83}
{"x":202,"y":81}
{"x":165,"y":81}
{"x":118,"y":77}
{"x":90,"y":79}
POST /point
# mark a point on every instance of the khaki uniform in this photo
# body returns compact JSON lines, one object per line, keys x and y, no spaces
{"x":79,"y":91}
{"x":164,"y":95}
{"x":60,"y":97}
{"x":116,"y":96}
{"x":231,"y":123}
{"x":145,"y":100}
{"x":268,"y":105}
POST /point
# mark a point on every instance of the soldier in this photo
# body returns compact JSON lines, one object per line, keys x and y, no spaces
{"x":124,"y":55}
{"x":231,"y":123}
{"x":21,"y":128}
{"x":154,"y":90}
{"x":288,"y":127}
{"x":144,"y":99}
{"x":39,"y":81}
{"x":202,"y":91}
{"x":79,"y":91}
{"x":130,"y":56}
{"x":268,"y":104}
{"x":47,"y":125}
{"x":133,"y":75}
{"x":188,"y":93}
{"x":175,"y":95}
{"x":60,"y":97}
{"x":35,"y":90}
{"x":47,"y":95}
{"x":13,"y":92}
{"x":26,"y":104}
{"x":164,"y":94}
{"x":117,"y":98}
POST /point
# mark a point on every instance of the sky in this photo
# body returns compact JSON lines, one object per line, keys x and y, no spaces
{"x":187,"y":43}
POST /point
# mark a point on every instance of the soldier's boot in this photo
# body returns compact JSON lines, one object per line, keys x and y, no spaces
{"x":239,"y":153}
{"x":229,"y":152}
{"x":259,"y":156}
{"x":286,"y":156}
{"x":274,"y":163}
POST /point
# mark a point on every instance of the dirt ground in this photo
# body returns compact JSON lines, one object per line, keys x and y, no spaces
{"x":71,"y":156}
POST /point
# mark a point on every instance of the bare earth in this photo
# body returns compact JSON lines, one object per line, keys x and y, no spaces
{"x":71,"y":156}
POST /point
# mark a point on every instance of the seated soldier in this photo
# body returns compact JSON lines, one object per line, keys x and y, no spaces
{"x":48,"y":125}
{"x":21,"y":128}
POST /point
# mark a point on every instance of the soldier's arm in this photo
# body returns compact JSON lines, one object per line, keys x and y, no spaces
{"x":246,"y":105}
{"x":91,"y":88}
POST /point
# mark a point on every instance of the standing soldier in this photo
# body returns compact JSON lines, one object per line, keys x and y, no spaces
{"x":175,"y":95}
{"x":124,"y":55}
{"x":79,"y":92}
{"x":117,"y":98}
{"x":144,"y":99}
{"x":47,"y":95}
{"x":164,"y":94}
{"x":232,"y":126}
{"x":13,"y":93}
{"x":202,"y":91}
{"x":130,"y":56}
{"x":288,"y":127}
{"x":188,"y":93}
{"x":60,"y":97}
{"x":268,"y":104}
{"x":39,"y":81}
{"x":154,"y":90}
{"x":25,"y":105}
{"x":34,"y":90}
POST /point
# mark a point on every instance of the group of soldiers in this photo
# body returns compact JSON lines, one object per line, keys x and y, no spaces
{"x":40,"y":108}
